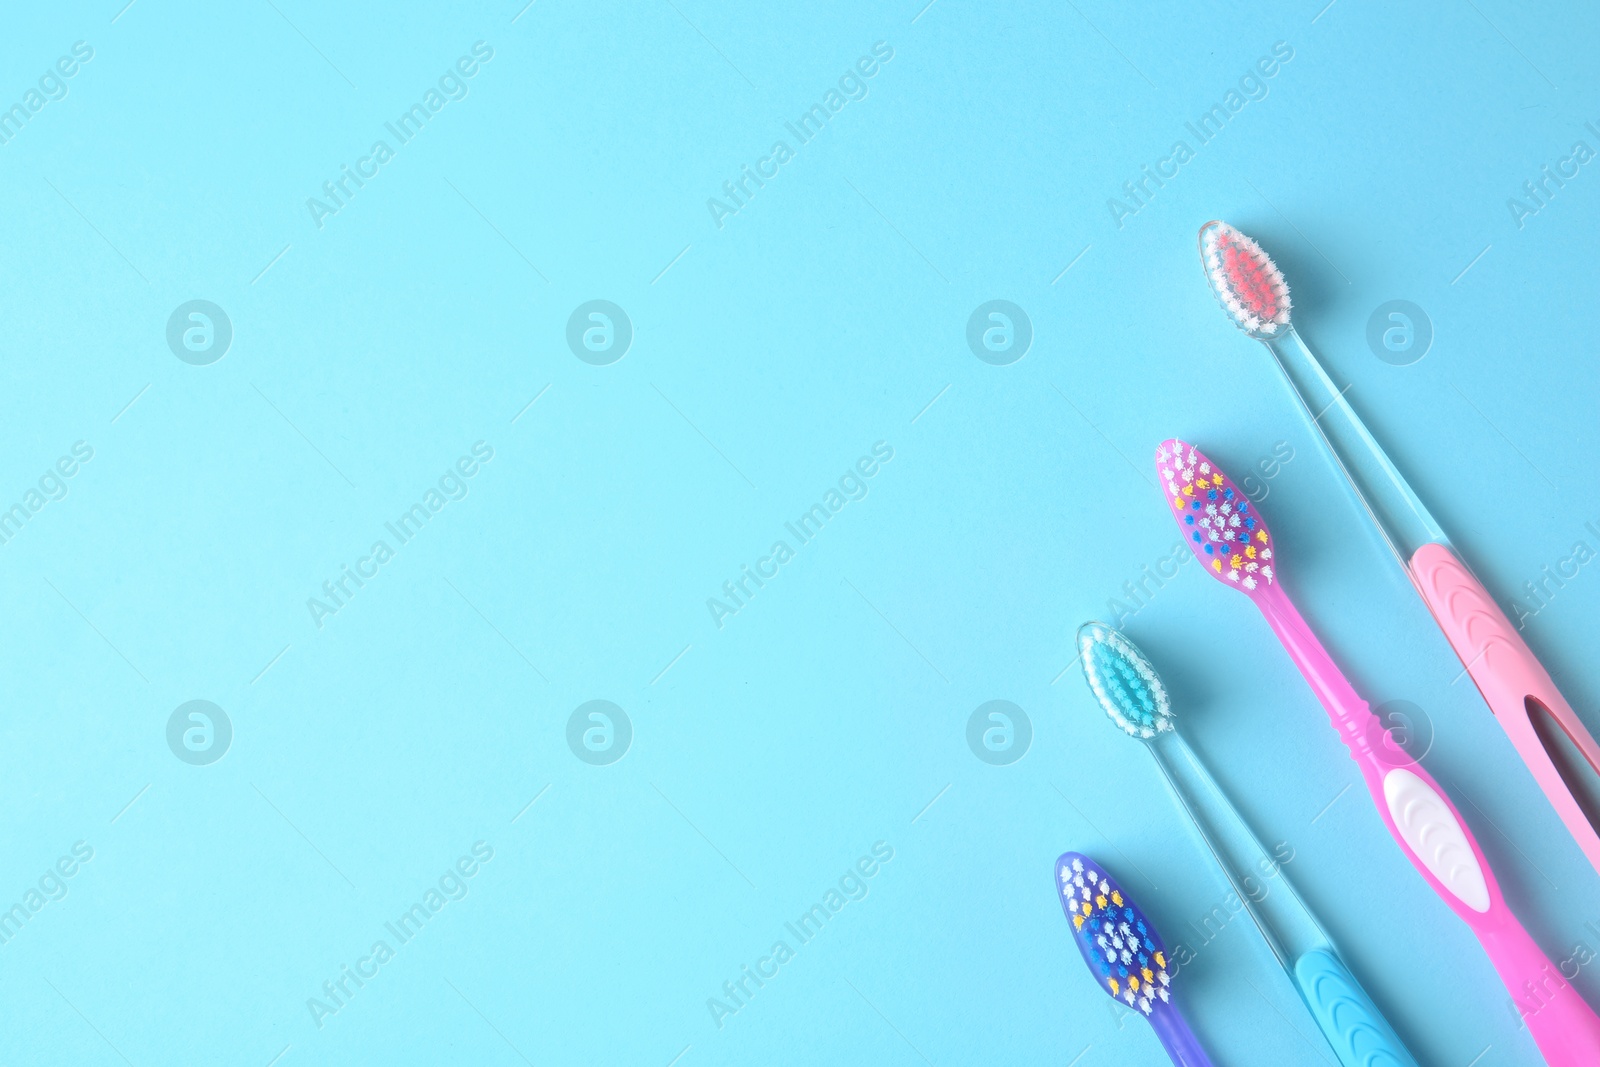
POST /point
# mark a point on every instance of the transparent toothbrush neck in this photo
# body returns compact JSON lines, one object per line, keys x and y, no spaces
{"x":1287,"y":926}
{"x":1404,"y":521}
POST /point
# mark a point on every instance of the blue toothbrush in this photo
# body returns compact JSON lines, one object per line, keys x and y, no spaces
{"x":1130,"y":691}
{"x":1124,"y":952}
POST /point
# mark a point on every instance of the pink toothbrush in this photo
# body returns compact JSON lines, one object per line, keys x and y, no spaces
{"x":1513,"y":682}
{"x":1221,"y":528}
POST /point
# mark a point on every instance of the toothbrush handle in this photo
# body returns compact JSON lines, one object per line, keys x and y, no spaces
{"x":1358,"y":728}
{"x":1565,"y":1028}
{"x":1183,"y":1048}
{"x":1436,"y":840}
{"x":1358,"y":1032}
{"x":1418,"y":815}
{"x":1508,"y":675}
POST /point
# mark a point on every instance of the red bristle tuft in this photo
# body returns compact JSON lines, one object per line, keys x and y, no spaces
{"x":1248,"y":278}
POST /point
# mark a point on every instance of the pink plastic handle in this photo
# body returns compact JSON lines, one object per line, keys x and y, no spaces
{"x":1425,"y":824}
{"x":1564,"y":1027}
{"x":1508,"y":674}
{"x":1367,"y":740}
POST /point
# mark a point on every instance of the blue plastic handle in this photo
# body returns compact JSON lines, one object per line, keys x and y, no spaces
{"x":1358,"y":1032}
{"x":1183,"y":1047}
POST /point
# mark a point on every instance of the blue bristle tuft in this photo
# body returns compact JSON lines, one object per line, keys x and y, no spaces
{"x":1124,"y":682}
{"x":1129,"y":966}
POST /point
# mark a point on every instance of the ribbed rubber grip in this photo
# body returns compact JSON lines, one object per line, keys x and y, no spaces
{"x":1507,"y":673}
{"x":1357,"y":1031}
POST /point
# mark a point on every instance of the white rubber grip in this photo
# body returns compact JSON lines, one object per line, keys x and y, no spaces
{"x":1430,"y":828}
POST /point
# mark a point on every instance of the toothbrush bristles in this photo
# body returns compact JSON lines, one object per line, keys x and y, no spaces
{"x":1121,"y":948}
{"x":1123,"y":682}
{"x":1248,"y":284}
{"x":1220,"y":525}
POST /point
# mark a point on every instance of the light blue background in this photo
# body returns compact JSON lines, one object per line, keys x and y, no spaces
{"x":827,"y":315}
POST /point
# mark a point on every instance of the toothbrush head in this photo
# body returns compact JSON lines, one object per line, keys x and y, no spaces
{"x":1248,"y":284}
{"x":1218,"y":522}
{"x":1123,"y":951}
{"x":1124,"y":682}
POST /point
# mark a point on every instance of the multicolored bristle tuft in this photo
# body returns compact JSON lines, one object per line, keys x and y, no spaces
{"x":1218,"y":522}
{"x":1247,"y":283}
{"x":1123,"y":681}
{"x":1122,"y":949}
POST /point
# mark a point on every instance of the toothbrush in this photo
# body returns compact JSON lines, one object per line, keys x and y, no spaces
{"x":1221,"y":528}
{"x":1507,"y":673}
{"x":1130,"y":692}
{"x":1124,"y":952}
